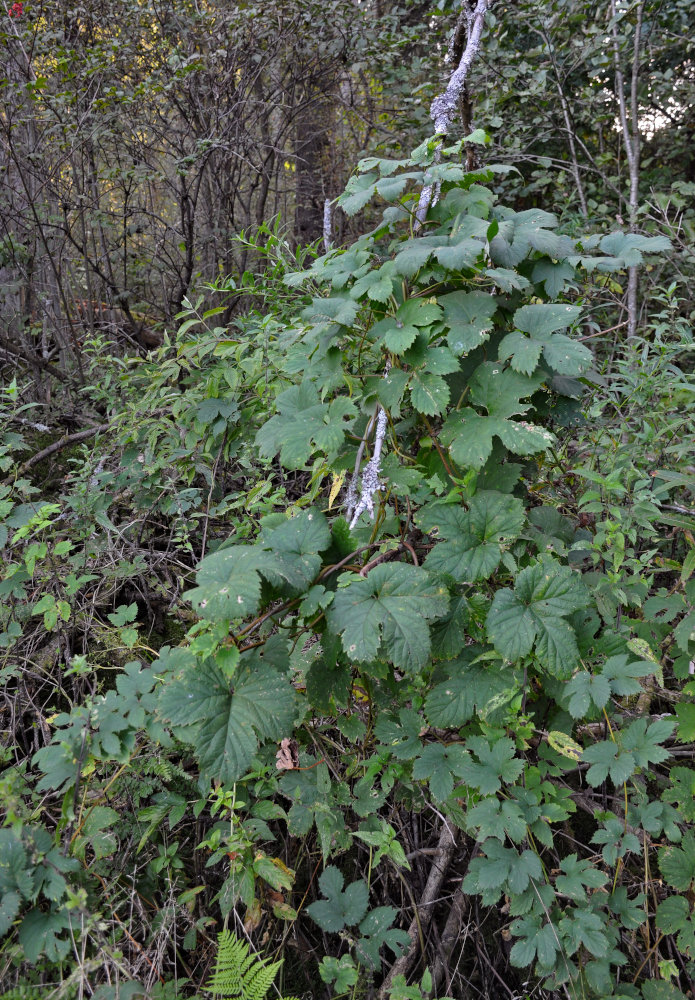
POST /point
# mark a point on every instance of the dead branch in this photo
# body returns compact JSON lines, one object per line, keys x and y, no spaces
{"x":58,"y":445}
{"x":421,"y":920}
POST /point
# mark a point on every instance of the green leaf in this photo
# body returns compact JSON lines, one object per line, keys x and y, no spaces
{"x":9,"y":908}
{"x":229,"y":585}
{"x":389,"y":608}
{"x":224,"y":724}
{"x":586,"y":689}
{"x":643,"y":740}
{"x":40,"y":935}
{"x":500,"y":392}
{"x":359,"y":190}
{"x":469,"y":317}
{"x":419,"y":312}
{"x":554,"y":275}
{"x":439,"y":764}
{"x":460,"y":254}
{"x":622,"y":674}
{"x":441,"y":361}
{"x":567,"y":356}
{"x":341,"y":908}
{"x":686,"y":721}
{"x":401,"y":736}
{"x":448,"y":634}
{"x":124,"y":614}
{"x":453,"y":702}
{"x":682,"y":791}
{"x":412,"y":254}
{"x":398,"y":339}
{"x":672,"y":914}
{"x":492,"y":818}
{"x":473,"y":539}
{"x":535,"y":940}
{"x":677,"y":864}
{"x":326,"y":312}
{"x":577,"y":876}
{"x":532,"y":616}
{"x":295,"y":546}
{"x":541,"y":320}
{"x":507,"y":279}
{"x":524,"y":352}
{"x":502,"y":868}
{"x":496,"y":763}
{"x":376,"y":929}
{"x":303,"y":424}
{"x":376,"y":284}
{"x":628,"y":246}
{"x":584,"y":927}
{"x":429,"y":393}
{"x":15,"y":868}
{"x":661,"y":990}
{"x":391,"y":188}
{"x":607,"y":759}
{"x":343,"y":973}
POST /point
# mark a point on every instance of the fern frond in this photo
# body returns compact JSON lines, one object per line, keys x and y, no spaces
{"x":239,"y":972}
{"x":259,"y":980}
{"x":26,"y":992}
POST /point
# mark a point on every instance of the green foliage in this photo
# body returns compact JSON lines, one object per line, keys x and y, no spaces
{"x":391,"y":607}
{"x":532,"y":616}
{"x":342,"y":907}
{"x":222,"y":722}
{"x":348,"y":908}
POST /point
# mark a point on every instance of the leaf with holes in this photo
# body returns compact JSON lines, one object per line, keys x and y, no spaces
{"x":389,"y":609}
{"x":475,"y":689}
{"x":469,"y":316}
{"x":473,"y":538}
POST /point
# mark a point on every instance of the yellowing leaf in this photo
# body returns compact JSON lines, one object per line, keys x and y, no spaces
{"x":565,"y":745}
{"x":336,"y":487}
{"x":642,"y":648}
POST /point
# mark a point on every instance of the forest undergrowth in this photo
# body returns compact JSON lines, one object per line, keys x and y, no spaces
{"x":347,"y":619}
{"x":444,"y":744}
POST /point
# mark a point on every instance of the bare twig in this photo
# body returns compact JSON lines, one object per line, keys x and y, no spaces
{"x":327,"y":224}
{"x":445,"y":106}
{"x":370,"y":477}
{"x":631,"y":143}
{"x":351,"y":495}
{"x":32,"y":359}
{"x":440,"y":865}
